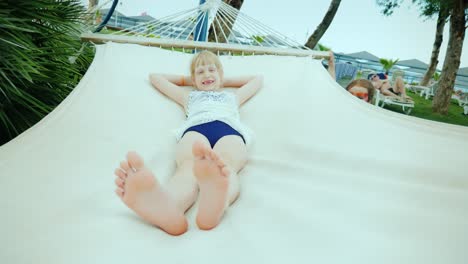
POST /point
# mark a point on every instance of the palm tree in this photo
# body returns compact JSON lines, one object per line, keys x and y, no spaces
{"x":436,"y":76}
{"x":441,"y":21}
{"x":388,"y":64}
{"x":38,"y":42}
{"x":216,"y":30}
{"x":457,"y":12}
{"x":322,"y":47}
{"x":458,"y":20}
{"x":323,"y":26}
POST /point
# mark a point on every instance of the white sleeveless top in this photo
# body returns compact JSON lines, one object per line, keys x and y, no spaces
{"x":206,"y":106}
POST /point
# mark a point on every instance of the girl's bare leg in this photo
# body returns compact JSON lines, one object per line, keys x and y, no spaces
{"x":216,"y":171}
{"x":161,"y":206}
{"x":183,"y":185}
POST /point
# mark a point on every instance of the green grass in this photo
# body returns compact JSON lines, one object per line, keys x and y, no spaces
{"x":423,"y":109}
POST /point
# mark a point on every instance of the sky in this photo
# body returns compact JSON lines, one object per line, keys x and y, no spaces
{"x":358,"y":25}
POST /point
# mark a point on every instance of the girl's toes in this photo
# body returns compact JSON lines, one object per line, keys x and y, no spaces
{"x":198,"y":149}
{"x":119,"y":173}
{"x":213,"y":156}
{"x":119,"y":182}
{"x":119,"y":192}
{"x":219,"y":162}
{"x":124,"y":165}
{"x":134,"y":160}
{"x":225,"y":171}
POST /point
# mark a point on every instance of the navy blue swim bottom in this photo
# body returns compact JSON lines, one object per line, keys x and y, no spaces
{"x":214,"y":131}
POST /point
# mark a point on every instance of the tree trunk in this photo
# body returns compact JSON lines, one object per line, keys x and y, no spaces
{"x":452,"y":59}
{"x":323,"y":26}
{"x":215,"y":33}
{"x":443,"y":15}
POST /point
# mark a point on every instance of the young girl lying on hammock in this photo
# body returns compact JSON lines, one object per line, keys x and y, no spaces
{"x":210,"y":151}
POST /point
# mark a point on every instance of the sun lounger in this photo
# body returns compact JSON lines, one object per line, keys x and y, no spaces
{"x":382,"y":100}
{"x":418,"y":89}
{"x":462,"y":100}
{"x":430,"y":91}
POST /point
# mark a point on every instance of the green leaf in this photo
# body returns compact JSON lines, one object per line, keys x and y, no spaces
{"x":36,"y":40}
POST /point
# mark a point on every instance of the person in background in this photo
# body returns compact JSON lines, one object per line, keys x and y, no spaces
{"x":397,"y":91}
{"x":361,"y":88}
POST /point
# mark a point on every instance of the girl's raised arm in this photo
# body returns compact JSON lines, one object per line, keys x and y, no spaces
{"x":169,"y":85}
{"x":331,"y":65}
{"x":248,"y":86}
{"x":237,"y":82}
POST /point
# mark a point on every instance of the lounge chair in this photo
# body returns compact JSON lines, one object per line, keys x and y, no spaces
{"x":417,"y":89}
{"x":426,"y":91}
{"x":461,"y":99}
{"x":382,"y":100}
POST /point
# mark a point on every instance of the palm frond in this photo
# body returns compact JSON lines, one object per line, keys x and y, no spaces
{"x":388,"y":64}
{"x":36,"y":40}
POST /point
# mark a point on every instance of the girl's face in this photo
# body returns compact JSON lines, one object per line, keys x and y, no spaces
{"x":207,"y":77}
{"x":360,"y":92}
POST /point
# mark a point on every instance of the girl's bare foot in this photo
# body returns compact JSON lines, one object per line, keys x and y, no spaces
{"x":212,"y":175}
{"x":140,"y":191}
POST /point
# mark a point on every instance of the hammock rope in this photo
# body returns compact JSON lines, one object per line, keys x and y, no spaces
{"x":232,"y":30}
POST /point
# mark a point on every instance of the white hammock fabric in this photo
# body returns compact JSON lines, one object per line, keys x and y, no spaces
{"x":330,"y":179}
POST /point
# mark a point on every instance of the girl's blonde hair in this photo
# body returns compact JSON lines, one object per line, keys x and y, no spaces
{"x":205,"y":58}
